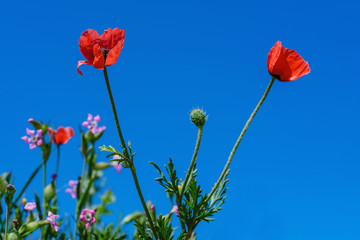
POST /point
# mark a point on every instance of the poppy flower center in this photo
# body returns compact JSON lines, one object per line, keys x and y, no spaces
{"x":105,"y":52}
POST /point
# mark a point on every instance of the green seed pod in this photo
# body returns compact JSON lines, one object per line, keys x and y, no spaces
{"x":198,"y":117}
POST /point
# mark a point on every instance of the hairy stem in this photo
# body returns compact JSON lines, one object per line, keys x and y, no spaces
{"x":241,"y":137}
{"x":133,"y":171}
{"x":193,"y":160}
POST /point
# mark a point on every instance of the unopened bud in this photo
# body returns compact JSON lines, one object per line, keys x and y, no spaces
{"x":102,"y":165}
{"x":49,"y":191}
{"x":198,"y":117}
{"x":13,"y":236}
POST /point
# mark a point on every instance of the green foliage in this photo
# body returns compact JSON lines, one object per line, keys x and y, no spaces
{"x":125,"y":161}
{"x":173,"y":184}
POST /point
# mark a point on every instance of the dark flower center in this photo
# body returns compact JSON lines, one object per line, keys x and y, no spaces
{"x":105,"y":52}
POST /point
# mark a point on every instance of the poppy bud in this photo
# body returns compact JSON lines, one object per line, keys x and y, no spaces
{"x":198,"y":117}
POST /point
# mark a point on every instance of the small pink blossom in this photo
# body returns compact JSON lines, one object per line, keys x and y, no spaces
{"x":87,"y":216}
{"x":52,"y":220}
{"x":30,"y":206}
{"x":118,"y":167}
{"x":34,"y":140}
{"x":93,"y":124}
{"x":30,"y":120}
{"x":72,"y":189}
{"x":175,"y":210}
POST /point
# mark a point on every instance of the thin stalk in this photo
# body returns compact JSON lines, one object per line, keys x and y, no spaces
{"x":7,"y":221}
{"x":240,"y":137}
{"x":76,"y":218}
{"x":137,"y":185}
{"x":28,"y":182}
{"x":43,"y":232}
{"x":133,"y":171}
{"x":115,"y":114}
{"x":44,"y":185}
{"x":189,"y":172}
{"x":193,"y":160}
{"x":57,"y":160}
{"x":83,"y":174}
{"x":81,"y":183}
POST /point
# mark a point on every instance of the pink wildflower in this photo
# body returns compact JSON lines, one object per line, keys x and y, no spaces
{"x":87,"y":216}
{"x":72,"y":189}
{"x":175,"y":210}
{"x":30,"y":206}
{"x":93,"y":124}
{"x":117,"y":165}
{"x":52,"y":220}
{"x":34,"y":140}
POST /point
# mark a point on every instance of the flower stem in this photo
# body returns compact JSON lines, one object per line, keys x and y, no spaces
{"x":7,"y":220}
{"x":193,"y":160}
{"x":44,"y":199}
{"x":132,"y":167}
{"x":57,"y":160}
{"x":240,"y":138}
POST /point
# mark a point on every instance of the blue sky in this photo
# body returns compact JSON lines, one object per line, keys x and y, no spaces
{"x":295,"y":175}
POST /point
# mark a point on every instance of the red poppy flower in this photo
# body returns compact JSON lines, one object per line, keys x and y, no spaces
{"x":61,"y":135}
{"x":101,"y":51}
{"x":286,"y":64}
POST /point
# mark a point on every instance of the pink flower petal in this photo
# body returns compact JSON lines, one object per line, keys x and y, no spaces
{"x":39,"y":142}
{"x":32,"y":145}
{"x":97,"y":118}
{"x":26,"y":139}
{"x":30,"y":132}
{"x":39,"y":133}
{"x":90,"y":117}
{"x":87,"y":224}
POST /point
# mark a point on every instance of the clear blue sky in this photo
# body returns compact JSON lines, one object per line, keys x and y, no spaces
{"x":296,"y":174}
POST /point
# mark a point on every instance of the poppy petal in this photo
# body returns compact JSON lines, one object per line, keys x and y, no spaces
{"x":81,"y":63}
{"x":286,"y":64}
{"x":86,"y":43}
{"x":273,"y":56}
{"x":114,"y":53}
{"x":99,"y":60}
{"x":299,"y":67}
{"x":70,"y":132}
{"x":110,"y":38}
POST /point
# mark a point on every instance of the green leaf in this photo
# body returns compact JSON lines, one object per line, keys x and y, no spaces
{"x":3,"y":184}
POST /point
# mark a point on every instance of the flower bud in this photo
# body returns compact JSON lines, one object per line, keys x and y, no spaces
{"x":102,"y":165}
{"x":28,"y":228}
{"x":13,"y":236}
{"x":49,"y":191}
{"x":198,"y":117}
